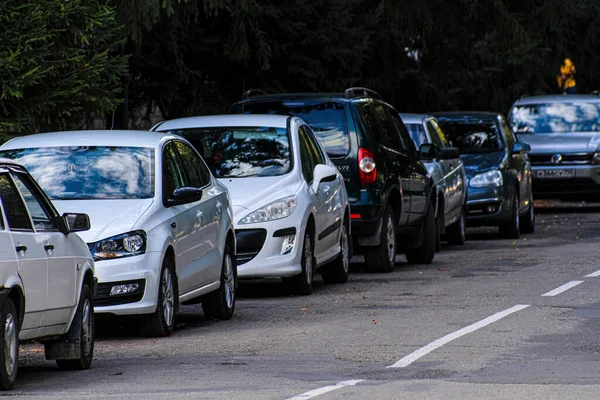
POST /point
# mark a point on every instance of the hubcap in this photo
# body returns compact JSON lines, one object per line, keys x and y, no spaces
{"x":344,"y":246}
{"x":308,"y":259}
{"x":167,"y":294}
{"x":391,"y":241}
{"x":87,"y":327}
{"x":10,"y":344}
{"x":229,"y":282}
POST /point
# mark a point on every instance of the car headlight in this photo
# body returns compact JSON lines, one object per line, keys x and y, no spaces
{"x":278,"y":209}
{"x":491,"y":178}
{"x":125,"y":245}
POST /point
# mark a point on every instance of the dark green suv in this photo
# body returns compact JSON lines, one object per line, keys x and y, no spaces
{"x":391,"y":198}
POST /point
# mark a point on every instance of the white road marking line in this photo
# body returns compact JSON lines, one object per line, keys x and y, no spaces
{"x":593,"y":274}
{"x":563,"y":288}
{"x":409,"y":359}
{"x":325,"y":389}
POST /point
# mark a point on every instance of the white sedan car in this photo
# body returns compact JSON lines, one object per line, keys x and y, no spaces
{"x":290,"y":203}
{"x":162,"y":231}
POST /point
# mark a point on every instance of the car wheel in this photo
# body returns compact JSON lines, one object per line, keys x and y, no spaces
{"x":511,"y":229}
{"x":383,"y":257}
{"x":162,"y":321}
{"x":424,"y":254}
{"x":528,"y":223}
{"x":220,"y":304}
{"x":338,"y":270}
{"x":85,"y":322}
{"x":303,"y":284}
{"x":9,"y":344}
{"x":457,"y":232}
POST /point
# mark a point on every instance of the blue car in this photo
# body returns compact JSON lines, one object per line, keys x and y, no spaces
{"x":498,"y":170}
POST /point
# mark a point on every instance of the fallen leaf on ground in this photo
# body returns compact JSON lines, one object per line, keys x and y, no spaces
{"x":304,"y":309}
{"x":374,"y":322}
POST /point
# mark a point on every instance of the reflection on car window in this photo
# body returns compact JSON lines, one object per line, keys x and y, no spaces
{"x":197,"y":173}
{"x":556,"y":118}
{"x":90,"y":172}
{"x":417,"y":133}
{"x":473,"y":136}
{"x":326,"y":118}
{"x":42,"y":220}
{"x":16,"y":213}
{"x":240,"y":152}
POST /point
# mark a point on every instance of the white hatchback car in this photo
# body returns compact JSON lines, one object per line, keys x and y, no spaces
{"x":46,"y":277}
{"x":162,"y":230}
{"x":289,"y":201}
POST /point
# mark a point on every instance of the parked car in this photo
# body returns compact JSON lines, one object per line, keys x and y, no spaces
{"x":47,"y":277}
{"x":498,"y":170}
{"x":289,"y":201}
{"x":161,"y":223}
{"x":390,"y":191}
{"x":564,"y":135}
{"x":447,"y":172}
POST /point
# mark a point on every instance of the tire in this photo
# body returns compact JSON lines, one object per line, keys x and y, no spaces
{"x":338,"y":270}
{"x":456,"y":233}
{"x":424,"y":254}
{"x":85,"y":322}
{"x":161,"y":322}
{"x":303,"y":284}
{"x":9,"y":344}
{"x":511,"y":229}
{"x":528,"y":223}
{"x":382,"y":258}
{"x":220,"y":304}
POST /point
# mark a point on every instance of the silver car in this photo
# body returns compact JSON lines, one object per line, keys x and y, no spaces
{"x":447,"y":172}
{"x":564,"y":134}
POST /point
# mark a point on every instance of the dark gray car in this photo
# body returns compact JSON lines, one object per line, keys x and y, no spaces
{"x":564,"y":134}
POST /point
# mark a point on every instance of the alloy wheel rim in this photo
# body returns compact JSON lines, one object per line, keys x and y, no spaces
{"x":86,"y":327}
{"x":391,"y":241}
{"x":229,"y":282}
{"x":167,"y":292}
{"x":10,"y":344}
{"x":308,"y":260}
{"x":344,"y":245}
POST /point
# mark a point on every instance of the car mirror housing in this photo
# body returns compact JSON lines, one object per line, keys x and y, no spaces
{"x":521,"y":147}
{"x":428,"y":151}
{"x":183,"y":195}
{"x":449,"y":153}
{"x":76,"y":222}
{"x":322,"y":173}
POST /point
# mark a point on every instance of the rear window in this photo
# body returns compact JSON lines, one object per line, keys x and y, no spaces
{"x":326,"y":118}
{"x":473,"y":136}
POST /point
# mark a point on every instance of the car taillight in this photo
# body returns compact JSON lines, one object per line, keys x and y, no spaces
{"x":366,"y":166}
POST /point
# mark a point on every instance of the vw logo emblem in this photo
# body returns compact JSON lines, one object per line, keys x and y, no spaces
{"x":556,"y":159}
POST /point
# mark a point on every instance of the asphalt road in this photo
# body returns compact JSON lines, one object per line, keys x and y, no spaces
{"x":492,"y":319}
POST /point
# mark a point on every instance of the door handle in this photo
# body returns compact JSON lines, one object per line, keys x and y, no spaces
{"x":173,"y":225}
{"x":49,"y":247}
{"x":219,"y":206}
{"x":21,"y":248}
{"x":199,"y":215}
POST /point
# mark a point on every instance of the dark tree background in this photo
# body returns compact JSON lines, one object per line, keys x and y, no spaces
{"x":191,"y":57}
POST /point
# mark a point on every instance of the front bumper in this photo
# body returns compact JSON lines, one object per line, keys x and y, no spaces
{"x":143,"y":268}
{"x":585,"y":181}
{"x":487,"y":206}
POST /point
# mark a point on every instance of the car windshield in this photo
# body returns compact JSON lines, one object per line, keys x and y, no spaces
{"x":417,"y":133}
{"x":240,"y":152}
{"x":90,"y":172}
{"x":472,"y":136}
{"x":556,"y":117}
{"x":326,"y":118}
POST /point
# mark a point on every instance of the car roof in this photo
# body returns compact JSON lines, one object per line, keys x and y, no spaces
{"x":409,"y":118}
{"x":271,"y":120}
{"x":467,"y":115}
{"x":296,"y":96}
{"x":558,"y":98}
{"x":119,"y":138}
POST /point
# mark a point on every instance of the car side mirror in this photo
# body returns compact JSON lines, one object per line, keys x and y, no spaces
{"x":449,"y":153}
{"x":322,"y":173}
{"x":428,"y":151}
{"x":76,"y":222}
{"x":521,"y":147}
{"x":183,"y":195}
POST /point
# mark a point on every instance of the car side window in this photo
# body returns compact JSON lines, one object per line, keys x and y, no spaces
{"x":390,"y":130}
{"x":407,"y":142}
{"x":510,"y":136}
{"x":173,"y":174}
{"x":435,"y":138}
{"x":440,"y":133}
{"x":198,"y":174}
{"x":38,"y":210}
{"x":308,"y":155}
{"x":16,"y":212}
{"x":318,"y":156}
{"x":370,"y":122}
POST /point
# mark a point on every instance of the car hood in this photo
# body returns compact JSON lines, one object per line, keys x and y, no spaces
{"x":476,"y":163}
{"x":107,"y":217}
{"x":248,"y":194}
{"x":551,"y":143}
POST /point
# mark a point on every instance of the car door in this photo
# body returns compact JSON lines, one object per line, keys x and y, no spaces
{"x":520,"y":163}
{"x":31,"y":257}
{"x":61,"y":296}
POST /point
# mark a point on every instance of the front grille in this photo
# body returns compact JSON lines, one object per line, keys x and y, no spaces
{"x":566,"y":159}
{"x":103,"y":297}
{"x":249,"y":244}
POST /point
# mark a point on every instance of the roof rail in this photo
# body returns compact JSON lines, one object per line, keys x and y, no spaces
{"x":354,"y":92}
{"x":253,"y":92}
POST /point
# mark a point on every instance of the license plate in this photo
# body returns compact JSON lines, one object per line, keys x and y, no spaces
{"x":554,"y":173}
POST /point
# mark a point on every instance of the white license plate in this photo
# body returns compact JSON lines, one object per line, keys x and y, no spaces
{"x":554,"y":173}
